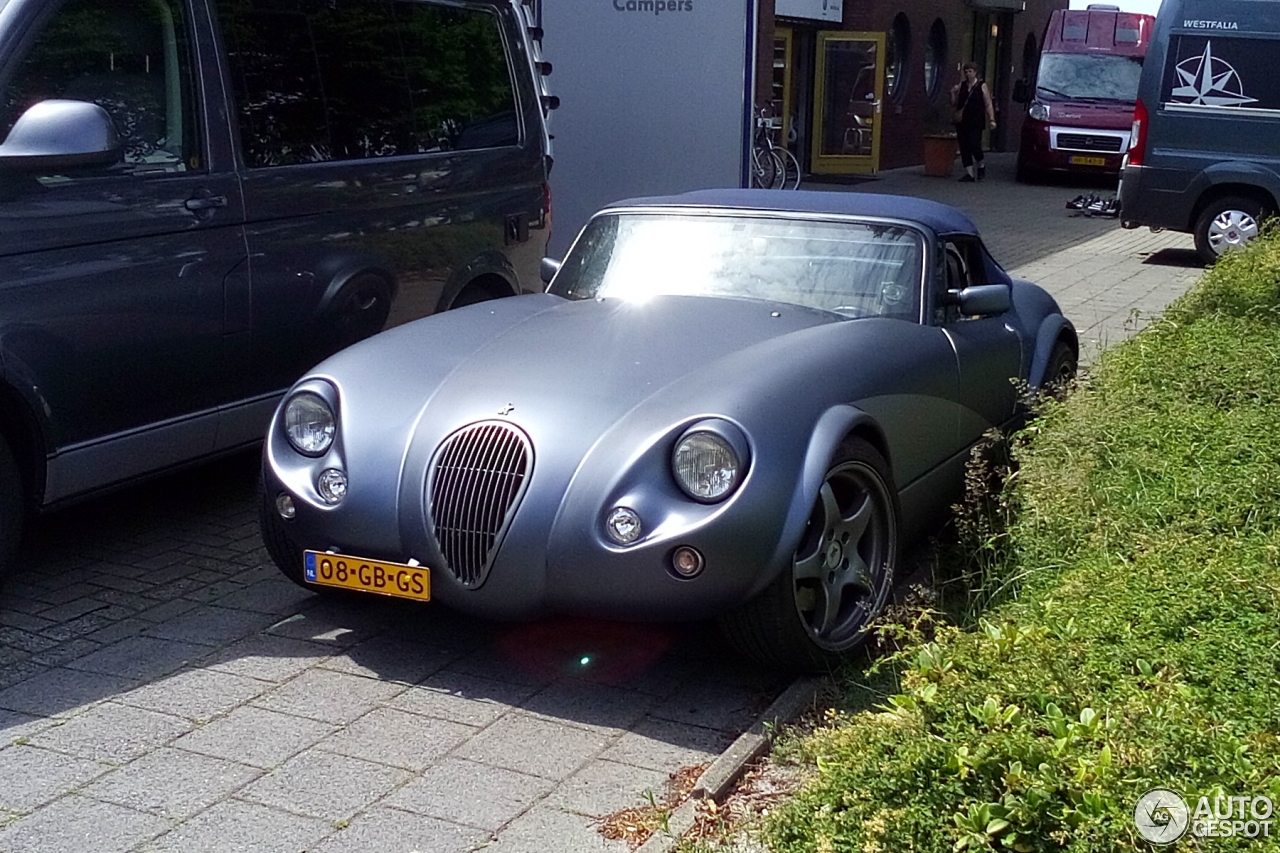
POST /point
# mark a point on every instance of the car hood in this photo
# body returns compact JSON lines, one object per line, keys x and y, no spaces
{"x":543,"y":360}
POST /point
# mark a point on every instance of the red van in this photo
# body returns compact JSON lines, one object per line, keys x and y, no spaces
{"x":1080,"y":104}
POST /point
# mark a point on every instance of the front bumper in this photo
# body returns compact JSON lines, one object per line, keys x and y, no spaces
{"x":554,"y":558}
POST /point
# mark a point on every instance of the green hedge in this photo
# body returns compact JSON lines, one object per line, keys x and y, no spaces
{"x":1142,"y":646}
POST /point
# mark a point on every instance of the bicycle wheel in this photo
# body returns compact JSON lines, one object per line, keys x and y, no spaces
{"x":764,"y":168}
{"x":790,"y":169}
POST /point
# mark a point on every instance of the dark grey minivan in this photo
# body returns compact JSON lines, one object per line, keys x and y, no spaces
{"x":1204,"y":154}
{"x":200,"y":199}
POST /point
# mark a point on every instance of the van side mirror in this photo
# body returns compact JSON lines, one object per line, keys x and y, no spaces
{"x":1021,"y":91}
{"x":61,"y":134}
{"x":548,"y":269}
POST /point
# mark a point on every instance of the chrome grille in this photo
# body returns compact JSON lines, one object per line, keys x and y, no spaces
{"x":478,"y":477}
{"x":1089,"y":142}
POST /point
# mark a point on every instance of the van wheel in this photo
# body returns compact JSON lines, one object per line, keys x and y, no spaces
{"x":1227,"y":223}
{"x":12,"y":506}
{"x":477,"y":292}
{"x":1024,"y":174}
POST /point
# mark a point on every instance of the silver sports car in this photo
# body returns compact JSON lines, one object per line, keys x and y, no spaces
{"x":732,"y":403}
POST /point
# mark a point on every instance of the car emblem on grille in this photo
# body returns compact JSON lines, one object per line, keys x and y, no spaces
{"x":1088,"y":140}
{"x":507,"y":409}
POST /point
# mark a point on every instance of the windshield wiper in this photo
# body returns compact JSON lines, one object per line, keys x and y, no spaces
{"x":1052,"y":91}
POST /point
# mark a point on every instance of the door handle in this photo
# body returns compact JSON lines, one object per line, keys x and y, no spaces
{"x":517,"y":228}
{"x":206,"y":202}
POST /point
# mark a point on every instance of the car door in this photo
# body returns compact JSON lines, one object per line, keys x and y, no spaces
{"x":112,"y":277}
{"x":386,"y":160}
{"x":988,"y":348}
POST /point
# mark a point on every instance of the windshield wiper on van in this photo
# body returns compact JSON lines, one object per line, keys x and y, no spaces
{"x":1052,"y":91}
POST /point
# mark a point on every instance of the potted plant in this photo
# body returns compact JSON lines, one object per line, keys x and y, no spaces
{"x":940,"y":146}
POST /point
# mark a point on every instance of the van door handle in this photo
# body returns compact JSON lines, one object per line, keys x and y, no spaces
{"x":517,"y":228}
{"x":206,"y":202}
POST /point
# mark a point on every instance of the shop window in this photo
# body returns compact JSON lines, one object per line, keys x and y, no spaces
{"x":897,"y":58}
{"x":935,"y":58}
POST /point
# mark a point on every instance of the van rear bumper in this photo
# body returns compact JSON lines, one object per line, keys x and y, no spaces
{"x":1143,"y":201}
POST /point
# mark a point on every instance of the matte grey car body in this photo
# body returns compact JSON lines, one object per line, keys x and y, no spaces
{"x":1203,"y":156}
{"x":201,"y":199}
{"x":599,"y":390}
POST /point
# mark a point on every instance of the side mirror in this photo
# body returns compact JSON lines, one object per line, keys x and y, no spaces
{"x":548,"y":269}
{"x":59,"y":134}
{"x":1021,"y":91}
{"x":982,"y":299}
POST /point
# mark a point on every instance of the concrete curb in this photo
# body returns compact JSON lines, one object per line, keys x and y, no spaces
{"x":718,"y":779}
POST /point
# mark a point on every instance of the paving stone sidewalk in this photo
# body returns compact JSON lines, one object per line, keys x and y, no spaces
{"x":1108,"y":280}
{"x":162,"y":688}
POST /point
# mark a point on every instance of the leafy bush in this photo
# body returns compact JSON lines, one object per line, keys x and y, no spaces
{"x":1134,"y":640}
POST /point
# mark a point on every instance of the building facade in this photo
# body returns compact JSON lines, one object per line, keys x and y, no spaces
{"x":857,"y":85}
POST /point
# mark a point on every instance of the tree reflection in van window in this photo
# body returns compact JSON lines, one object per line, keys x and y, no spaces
{"x":363,"y":79}
{"x":128,"y":56}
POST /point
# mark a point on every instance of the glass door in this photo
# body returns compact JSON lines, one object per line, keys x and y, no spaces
{"x":849,"y":91}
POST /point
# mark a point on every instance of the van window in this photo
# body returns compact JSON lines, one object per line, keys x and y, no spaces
{"x":132,"y":58}
{"x":1089,"y":76}
{"x":1222,"y":72}
{"x":356,"y":79}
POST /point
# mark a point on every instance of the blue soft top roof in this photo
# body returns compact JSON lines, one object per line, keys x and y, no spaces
{"x":940,"y":218}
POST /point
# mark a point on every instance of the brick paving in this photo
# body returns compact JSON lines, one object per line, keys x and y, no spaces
{"x":163,"y":688}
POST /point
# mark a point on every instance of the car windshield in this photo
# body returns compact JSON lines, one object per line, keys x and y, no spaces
{"x":1088,"y":77}
{"x":858,"y":269}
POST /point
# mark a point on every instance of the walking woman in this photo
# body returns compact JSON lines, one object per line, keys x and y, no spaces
{"x":974,"y":111}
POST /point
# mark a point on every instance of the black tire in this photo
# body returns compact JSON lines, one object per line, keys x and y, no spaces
{"x":782,"y":627}
{"x":474,"y":294}
{"x":1060,"y":371}
{"x":1226,"y":223}
{"x":1024,"y":174}
{"x":765,"y":169}
{"x":12,"y":508}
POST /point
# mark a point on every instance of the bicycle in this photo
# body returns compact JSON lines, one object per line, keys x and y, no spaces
{"x":772,"y":165}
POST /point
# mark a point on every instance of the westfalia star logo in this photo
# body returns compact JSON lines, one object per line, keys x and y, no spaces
{"x":1209,"y":81}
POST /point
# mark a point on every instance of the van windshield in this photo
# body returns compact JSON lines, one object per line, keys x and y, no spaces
{"x":1088,"y":77}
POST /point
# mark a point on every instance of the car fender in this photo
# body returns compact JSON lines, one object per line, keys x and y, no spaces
{"x":831,"y":428}
{"x":1049,"y":333}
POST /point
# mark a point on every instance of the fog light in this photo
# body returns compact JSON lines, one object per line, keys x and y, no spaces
{"x":687,"y":562}
{"x":332,"y":485}
{"x":623,"y":525}
{"x":284,"y":506}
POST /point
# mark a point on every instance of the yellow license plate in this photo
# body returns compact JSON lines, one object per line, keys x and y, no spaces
{"x":375,"y":576}
{"x":1088,"y":161}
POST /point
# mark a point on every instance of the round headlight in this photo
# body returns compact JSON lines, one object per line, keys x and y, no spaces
{"x":706,"y":466}
{"x":309,"y":423}
{"x":1039,"y":111}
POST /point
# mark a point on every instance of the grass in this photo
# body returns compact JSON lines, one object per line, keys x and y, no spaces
{"x":1120,"y":625}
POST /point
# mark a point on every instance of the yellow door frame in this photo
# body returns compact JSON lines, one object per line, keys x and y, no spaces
{"x":846,"y":164}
